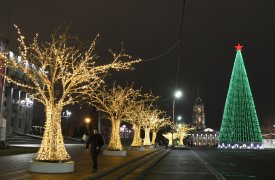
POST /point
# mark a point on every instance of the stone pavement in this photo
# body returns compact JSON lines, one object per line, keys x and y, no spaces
{"x":15,"y":167}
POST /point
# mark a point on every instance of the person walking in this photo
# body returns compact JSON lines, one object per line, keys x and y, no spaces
{"x":96,"y":142}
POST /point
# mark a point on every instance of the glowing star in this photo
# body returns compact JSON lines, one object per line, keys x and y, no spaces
{"x":238,"y":47}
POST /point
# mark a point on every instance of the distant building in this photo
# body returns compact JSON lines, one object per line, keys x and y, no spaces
{"x":17,"y":107}
{"x":201,"y":136}
{"x":198,"y":116}
{"x":204,"y":137}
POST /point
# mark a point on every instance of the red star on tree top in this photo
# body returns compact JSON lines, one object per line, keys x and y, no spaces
{"x":238,"y":47}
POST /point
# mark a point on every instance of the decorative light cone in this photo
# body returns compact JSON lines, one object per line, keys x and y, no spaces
{"x":240,"y":126}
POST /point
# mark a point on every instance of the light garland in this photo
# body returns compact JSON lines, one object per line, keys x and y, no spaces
{"x":57,"y":64}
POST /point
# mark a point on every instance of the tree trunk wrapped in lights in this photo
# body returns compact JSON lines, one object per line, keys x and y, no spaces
{"x":115,"y":143}
{"x":136,"y":139}
{"x":154,"y":136}
{"x":116,"y":104}
{"x":147,"y":141}
{"x":60,"y":74}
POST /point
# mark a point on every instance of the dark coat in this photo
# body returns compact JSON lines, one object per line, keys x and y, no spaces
{"x":95,"y":140}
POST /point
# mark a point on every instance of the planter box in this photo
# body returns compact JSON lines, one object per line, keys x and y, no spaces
{"x":114,"y":153}
{"x":51,"y":167}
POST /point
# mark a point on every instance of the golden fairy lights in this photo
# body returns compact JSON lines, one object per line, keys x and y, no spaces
{"x":138,"y":112}
{"x":182,"y":130}
{"x":58,"y":63}
{"x":115,"y":103}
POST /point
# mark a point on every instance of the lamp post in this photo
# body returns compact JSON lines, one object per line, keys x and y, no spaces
{"x":67,"y":114}
{"x":87,"y":121}
{"x":177,"y":95}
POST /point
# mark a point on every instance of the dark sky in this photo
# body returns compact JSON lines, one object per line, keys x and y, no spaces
{"x":149,"y":28}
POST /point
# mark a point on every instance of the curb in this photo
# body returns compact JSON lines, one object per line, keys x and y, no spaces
{"x":111,"y":169}
{"x":150,"y":165}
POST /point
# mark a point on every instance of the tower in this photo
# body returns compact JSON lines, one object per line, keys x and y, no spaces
{"x":198,"y":116}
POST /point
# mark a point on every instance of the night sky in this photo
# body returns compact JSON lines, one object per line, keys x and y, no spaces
{"x":149,"y":28}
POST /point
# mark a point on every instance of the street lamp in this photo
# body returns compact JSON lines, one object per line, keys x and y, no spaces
{"x":179,"y":118}
{"x":177,"y":95}
{"x":87,"y":121}
{"x":67,"y":114}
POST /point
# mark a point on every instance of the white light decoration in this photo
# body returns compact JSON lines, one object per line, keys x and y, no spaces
{"x":72,"y":69}
{"x":241,"y":146}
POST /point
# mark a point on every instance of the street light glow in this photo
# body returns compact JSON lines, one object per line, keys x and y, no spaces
{"x":179,"y":118}
{"x":87,"y":120}
{"x":178,"y":94}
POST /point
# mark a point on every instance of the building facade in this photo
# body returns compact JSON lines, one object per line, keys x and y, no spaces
{"x":16,"y":105}
{"x":201,"y":136}
{"x":198,"y":116}
{"x":205,"y":137}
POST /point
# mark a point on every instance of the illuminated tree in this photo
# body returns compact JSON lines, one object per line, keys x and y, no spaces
{"x":169,"y":137}
{"x":60,"y":73}
{"x":138,"y":113}
{"x":136,"y":117}
{"x":240,"y":122}
{"x":116,"y":104}
{"x":152,"y":115}
{"x":182,"y":131}
{"x":157,"y":125}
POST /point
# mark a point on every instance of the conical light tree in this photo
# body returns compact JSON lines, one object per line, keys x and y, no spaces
{"x":240,"y":125}
{"x":60,"y":73}
{"x":116,"y":104}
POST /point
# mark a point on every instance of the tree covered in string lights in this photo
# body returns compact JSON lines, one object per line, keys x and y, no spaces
{"x":182,"y":130}
{"x":159,"y":123}
{"x":60,"y":72}
{"x":152,"y":115}
{"x":137,"y":114}
{"x":116,"y":103}
{"x":240,"y":123}
{"x":169,"y":136}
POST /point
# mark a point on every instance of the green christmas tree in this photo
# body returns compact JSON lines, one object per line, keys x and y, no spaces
{"x":240,"y":123}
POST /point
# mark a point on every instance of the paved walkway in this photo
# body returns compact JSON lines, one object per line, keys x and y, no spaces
{"x":15,"y":167}
{"x":181,"y":164}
